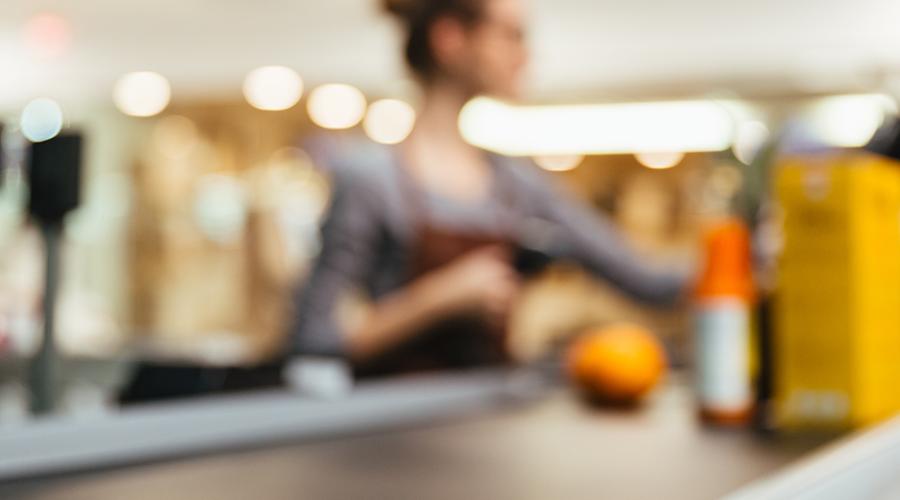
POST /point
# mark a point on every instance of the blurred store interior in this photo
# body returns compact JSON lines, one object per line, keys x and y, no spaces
{"x":210,"y":135}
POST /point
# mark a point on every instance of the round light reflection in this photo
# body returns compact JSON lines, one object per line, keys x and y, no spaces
{"x":41,"y":120}
{"x":142,"y":93}
{"x":559,"y":163}
{"x":273,"y":88}
{"x":336,"y":106}
{"x":659,"y":161}
{"x":389,"y":121}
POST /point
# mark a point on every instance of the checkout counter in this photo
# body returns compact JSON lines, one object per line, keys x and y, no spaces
{"x":498,"y":435}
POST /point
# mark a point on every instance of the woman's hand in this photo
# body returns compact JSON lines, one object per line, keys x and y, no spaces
{"x":482,"y":280}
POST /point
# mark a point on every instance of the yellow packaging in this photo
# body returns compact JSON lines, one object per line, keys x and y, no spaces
{"x":837,"y":304}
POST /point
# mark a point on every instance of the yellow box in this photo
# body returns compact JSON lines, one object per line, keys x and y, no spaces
{"x":837,"y":302}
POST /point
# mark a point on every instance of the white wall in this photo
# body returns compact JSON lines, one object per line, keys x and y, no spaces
{"x":584,"y":48}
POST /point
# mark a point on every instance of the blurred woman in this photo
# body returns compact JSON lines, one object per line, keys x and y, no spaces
{"x":434,"y":230}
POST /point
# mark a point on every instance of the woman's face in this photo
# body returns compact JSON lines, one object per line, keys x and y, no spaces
{"x":490,"y":56}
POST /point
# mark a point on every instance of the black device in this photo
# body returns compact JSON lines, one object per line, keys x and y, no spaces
{"x":54,"y":177}
{"x":530,"y":260}
{"x":537,"y":245}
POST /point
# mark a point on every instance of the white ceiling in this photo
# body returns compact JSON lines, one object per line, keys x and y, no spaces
{"x":583,"y":49}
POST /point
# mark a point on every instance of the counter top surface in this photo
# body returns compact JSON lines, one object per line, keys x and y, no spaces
{"x":554,"y":447}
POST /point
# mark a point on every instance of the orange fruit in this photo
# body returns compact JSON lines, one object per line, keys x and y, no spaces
{"x":619,"y":363}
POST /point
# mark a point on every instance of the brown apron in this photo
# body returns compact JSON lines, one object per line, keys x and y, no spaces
{"x":458,"y":342}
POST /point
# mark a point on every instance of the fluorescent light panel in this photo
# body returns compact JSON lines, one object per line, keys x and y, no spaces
{"x":672,"y":126}
{"x":849,"y":120}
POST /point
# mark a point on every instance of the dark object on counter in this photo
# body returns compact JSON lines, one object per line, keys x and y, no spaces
{"x":154,"y":381}
{"x":54,"y":177}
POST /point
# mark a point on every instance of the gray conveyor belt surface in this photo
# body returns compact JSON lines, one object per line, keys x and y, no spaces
{"x":553,"y":446}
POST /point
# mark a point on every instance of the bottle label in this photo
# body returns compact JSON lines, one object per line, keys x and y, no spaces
{"x":723,"y":358}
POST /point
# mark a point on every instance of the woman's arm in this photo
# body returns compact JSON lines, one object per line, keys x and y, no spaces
{"x":592,"y":240}
{"x":349,"y":235}
{"x":482,"y":281}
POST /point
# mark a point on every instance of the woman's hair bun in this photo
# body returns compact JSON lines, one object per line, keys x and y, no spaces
{"x":418,"y":16}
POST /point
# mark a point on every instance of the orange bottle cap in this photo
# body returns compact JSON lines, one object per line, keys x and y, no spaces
{"x":727,"y":270}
